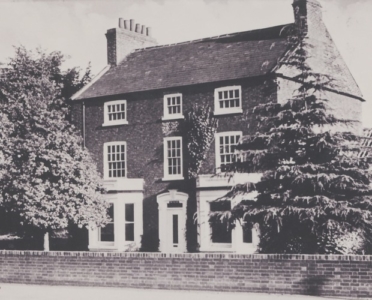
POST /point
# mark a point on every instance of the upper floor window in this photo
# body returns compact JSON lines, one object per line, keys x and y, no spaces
{"x":115,"y":159}
{"x":173,"y":159}
{"x":115,"y":113}
{"x":228,"y":100}
{"x":172,"y":107}
{"x":225,"y":148}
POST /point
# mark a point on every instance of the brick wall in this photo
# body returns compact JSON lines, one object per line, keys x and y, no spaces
{"x":336,"y":276}
{"x":145,"y":132}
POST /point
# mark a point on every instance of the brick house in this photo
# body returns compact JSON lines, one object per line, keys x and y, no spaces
{"x":128,"y":113}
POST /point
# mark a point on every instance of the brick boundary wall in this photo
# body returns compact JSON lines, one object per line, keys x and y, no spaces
{"x":323,"y":275}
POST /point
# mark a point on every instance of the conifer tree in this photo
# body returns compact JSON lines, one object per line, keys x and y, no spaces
{"x":314,"y":190}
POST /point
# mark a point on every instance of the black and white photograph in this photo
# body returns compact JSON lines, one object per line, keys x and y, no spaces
{"x":205,"y":149}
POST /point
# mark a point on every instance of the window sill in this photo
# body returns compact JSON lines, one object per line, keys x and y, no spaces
{"x":114,"y":123}
{"x":172,"y":178}
{"x":228,"y":112}
{"x":221,"y":245}
{"x":171,"y":118}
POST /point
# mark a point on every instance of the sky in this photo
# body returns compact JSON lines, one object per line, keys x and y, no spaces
{"x":77,"y":28}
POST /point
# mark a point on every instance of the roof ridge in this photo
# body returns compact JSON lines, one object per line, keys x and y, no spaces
{"x":208,"y":38}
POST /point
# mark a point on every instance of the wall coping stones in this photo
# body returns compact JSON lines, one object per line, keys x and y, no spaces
{"x":283,"y":257}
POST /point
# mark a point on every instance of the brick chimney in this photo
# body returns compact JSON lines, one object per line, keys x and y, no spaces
{"x":308,"y":15}
{"x":123,"y":40}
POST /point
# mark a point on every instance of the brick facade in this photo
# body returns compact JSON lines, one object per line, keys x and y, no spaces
{"x":145,"y":131}
{"x":333,"y":275}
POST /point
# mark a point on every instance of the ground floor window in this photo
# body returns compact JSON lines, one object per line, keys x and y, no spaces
{"x":220,"y":232}
{"x":247,"y":233}
{"x":106,"y":234}
{"x":129,"y":222}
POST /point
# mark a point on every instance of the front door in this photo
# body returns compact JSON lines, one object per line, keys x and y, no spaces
{"x":175,"y":233}
{"x":172,"y":221}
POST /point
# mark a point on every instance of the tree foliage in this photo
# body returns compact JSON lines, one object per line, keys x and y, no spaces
{"x":314,"y":189}
{"x":47,"y":179}
{"x":198,"y":129}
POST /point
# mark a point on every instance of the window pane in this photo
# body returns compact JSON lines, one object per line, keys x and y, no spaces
{"x":107,"y":233}
{"x":129,"y":212}
{"x":220,"y":233}
{"x":236,"y":93}
{"x":247,"y":234}
{"x":175,"y":229}
{"x":110,"y":212}
{"x":220,"y":205}
{"x":129,"y":232}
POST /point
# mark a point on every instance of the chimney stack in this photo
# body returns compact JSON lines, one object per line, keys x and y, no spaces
{"x":307,"y":15}
{"x":127,"y":37}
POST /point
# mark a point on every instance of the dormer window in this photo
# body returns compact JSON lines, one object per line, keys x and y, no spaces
{"x":228,"y":100}
{"x":115,"y":113}
{"x":173,"y":107}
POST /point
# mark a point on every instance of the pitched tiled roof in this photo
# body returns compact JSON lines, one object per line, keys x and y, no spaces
{"x":232,"y":56}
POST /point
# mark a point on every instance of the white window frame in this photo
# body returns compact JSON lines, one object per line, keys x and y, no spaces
{"x":230,"y":110}
{"x":166,"y":114}
{"x":106,"y":121}
{"x":166,"y":175}
{"x":105,"y":160}
{"x":217,"y":145}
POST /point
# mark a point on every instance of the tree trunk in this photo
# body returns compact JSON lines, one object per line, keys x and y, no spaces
{"x":46,"y":241}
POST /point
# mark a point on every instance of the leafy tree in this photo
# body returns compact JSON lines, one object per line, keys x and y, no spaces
{"x":47,"y":179}
{"x":314,"y":189}
{"x":198,"y":130}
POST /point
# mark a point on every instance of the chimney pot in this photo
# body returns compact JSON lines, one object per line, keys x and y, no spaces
{"x":125,"y":24}
{"x":121,"y":23}
{"x":131,"y":24}
{"x":148,"y":31}
{"x":143,"y":29}
{"x":138,"y":26}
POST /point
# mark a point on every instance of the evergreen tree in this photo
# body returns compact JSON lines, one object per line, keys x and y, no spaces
{"x":314,"y":190}
{"x":47,"y":179}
